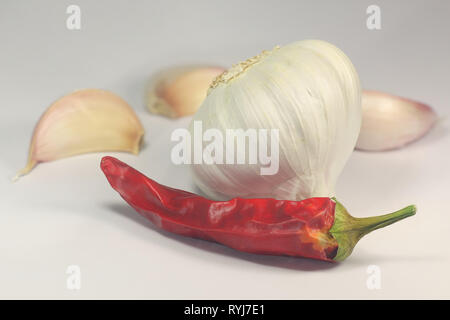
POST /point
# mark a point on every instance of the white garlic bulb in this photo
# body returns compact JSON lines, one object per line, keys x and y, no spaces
{"x":309,"y":91}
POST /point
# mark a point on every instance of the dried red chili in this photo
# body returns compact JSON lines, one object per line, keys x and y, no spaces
{"x":318,"y":228}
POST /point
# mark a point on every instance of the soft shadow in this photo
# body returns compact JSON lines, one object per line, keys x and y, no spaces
{"x":364,"y":258}
{"x":199,"y":192}
{"x":293,"y":263}
{"x":143,"y":144}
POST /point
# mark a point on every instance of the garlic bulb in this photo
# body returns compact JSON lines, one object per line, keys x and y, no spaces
{"x":88,"y":120}
{"x":310,"y":92}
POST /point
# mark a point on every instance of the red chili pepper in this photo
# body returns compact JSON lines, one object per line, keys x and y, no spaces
{"x":318,"y":228}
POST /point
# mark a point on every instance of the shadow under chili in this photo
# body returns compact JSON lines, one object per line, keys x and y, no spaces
{"x":293,"y":263}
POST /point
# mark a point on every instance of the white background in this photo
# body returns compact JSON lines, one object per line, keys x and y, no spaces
{"x":65,"y":213}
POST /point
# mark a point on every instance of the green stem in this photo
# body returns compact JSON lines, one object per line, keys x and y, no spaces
{"x":372,"y":223}
{"x":348,"y":230}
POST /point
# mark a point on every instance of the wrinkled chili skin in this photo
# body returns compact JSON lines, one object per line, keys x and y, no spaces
{"x":263,"y":226}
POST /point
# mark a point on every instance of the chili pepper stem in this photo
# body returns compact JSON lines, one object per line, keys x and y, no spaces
{"x":348,"y":230}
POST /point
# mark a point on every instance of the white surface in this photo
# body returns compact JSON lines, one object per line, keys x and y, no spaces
{"x":65,"y":213}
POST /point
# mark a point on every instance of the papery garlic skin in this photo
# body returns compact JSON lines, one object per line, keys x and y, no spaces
{"x":309,"y":91}
{"x":391,"y":122}
{"x":84,"y":121}
{"x":180,"y":91}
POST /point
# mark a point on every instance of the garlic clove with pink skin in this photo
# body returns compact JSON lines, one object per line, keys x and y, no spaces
{"x":391,"y":122}
{"x":84,"y":121}
{"x":180,"y":91}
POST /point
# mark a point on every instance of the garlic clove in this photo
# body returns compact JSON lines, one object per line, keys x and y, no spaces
{"x":391,"y":122}
{"x":84,"y":121}
{"x":180,"y":91}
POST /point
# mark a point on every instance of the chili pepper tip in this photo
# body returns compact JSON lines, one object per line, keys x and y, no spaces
{"x":113,"y":169}
{"x":106,"y":163}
